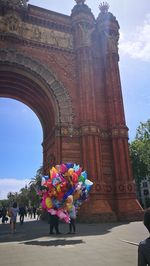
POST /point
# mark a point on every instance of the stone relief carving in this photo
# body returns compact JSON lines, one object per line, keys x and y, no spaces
{"x":13,"y":23}
{"x":85,"y":34}
{"x":112,"y":39}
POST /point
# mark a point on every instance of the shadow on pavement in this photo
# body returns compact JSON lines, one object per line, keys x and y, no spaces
{"x":57,"y":242}
{"x":32,"y":230}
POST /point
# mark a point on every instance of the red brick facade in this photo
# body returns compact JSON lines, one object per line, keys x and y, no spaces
{"x":66,"y":69}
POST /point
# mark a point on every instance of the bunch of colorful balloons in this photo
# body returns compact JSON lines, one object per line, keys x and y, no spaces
{"x":66,"y":185}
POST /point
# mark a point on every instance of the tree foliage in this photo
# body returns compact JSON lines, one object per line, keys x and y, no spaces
{"x":27,"y":195}
{"x":140,"y":151}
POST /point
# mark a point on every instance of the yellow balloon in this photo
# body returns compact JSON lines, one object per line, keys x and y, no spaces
{"x":53,"y":172}
{"x":69,"y":206}
{"x":48,"y":202}
{"x":71,"y":171}
{"x":58,"y":188}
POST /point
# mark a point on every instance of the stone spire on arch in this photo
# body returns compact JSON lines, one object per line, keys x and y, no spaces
{"x":81,"y":7}
{"x":105,"y":14}
{"x":15,"y":4}
{"x":80,"y":1}
{"x":104,"y":7}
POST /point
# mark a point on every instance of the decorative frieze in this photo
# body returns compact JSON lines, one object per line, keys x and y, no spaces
{"x":125,"y":187}
{"x":119,"y":132}
{"x":102,"y":188}
{"x":70,"y":130}
{"x":12,"y":24}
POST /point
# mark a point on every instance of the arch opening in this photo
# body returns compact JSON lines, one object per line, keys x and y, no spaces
{"x":20,"y":142}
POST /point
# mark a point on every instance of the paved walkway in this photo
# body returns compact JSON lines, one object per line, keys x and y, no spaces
{"x":112,"y":244}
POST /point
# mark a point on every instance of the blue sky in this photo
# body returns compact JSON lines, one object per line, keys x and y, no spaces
{"x":20,"y":129}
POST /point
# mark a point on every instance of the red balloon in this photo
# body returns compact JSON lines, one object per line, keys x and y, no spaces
{"x":74,"y":178}
{"x":63,"y":187}
{"x":60,"y":196}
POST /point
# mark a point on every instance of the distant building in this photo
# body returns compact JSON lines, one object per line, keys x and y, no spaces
{"x":145,"y":192}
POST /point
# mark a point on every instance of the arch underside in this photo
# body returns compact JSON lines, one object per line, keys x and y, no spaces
{"x":27,"y":80}
{"x":17,"y":86}
{"x":32,"y":83}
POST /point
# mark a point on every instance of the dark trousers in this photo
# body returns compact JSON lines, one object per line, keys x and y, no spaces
{"x":3,"y":219}
{"x":21,"y":218}
{"x":72,"y":225}
{"x":54,"y":224}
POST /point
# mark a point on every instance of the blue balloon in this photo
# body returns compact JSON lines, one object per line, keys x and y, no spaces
{"x":88,"y":184}
{"x":70,"y":192}
{"x":76,"y":167}
{"x":46,"y":177}
{"x":69,"y":165}
{"x":56,"y":203}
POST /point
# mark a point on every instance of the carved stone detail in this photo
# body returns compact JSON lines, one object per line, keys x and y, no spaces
{"x":125,"y":187}
{"x":112,"y":41}
{"x":102,"y":188}
{"x":70,"y":131}
{"x":119,"y":132}
{"x":85,"y":34}
{"x":11,"y":23}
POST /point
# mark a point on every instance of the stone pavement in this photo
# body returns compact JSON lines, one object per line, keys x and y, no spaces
{"x":112,"y":244}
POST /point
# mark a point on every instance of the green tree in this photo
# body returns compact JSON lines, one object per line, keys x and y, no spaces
{"x":12,"y":197}
{"x":23,"y":198}
{"x":27,"y":195}
{"x":140,"y":152}
{"x":36,"y":181}
{"x":34,"y":186}
{"x":4,"y":203}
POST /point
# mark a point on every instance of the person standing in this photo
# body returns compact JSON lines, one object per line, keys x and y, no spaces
{"x":38,"y":213}
{"x":14,"y":210}
{"x":22,"y":213}
{"x":72,"y":214}
{"x":144,"y":246}
{"x":34,"y":212}
{"x":54,"y":223}
{"x":4,"y":213}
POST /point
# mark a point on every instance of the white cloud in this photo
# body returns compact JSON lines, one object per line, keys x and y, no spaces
{"x":11,"y":185}
{"x":138,"y":46}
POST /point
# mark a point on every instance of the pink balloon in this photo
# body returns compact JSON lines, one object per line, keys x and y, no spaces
{"x":43,"y":204}
{"x":62,"y":215}
{"x":79,"y":171}
{"x":52,"y":211}
{"x":63,"y":168}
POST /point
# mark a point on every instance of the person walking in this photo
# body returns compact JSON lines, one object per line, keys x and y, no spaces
{"x":14,"y":210}
{"x":144,"y":246}
{"x":22,"y":213}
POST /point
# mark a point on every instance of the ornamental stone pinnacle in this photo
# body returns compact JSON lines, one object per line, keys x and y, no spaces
{"x":14,"y":3}
{"x":103,"y":7}
{"x":80,"y":2}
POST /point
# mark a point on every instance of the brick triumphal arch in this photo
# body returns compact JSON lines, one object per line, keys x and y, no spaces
{"x":65,"y":68}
